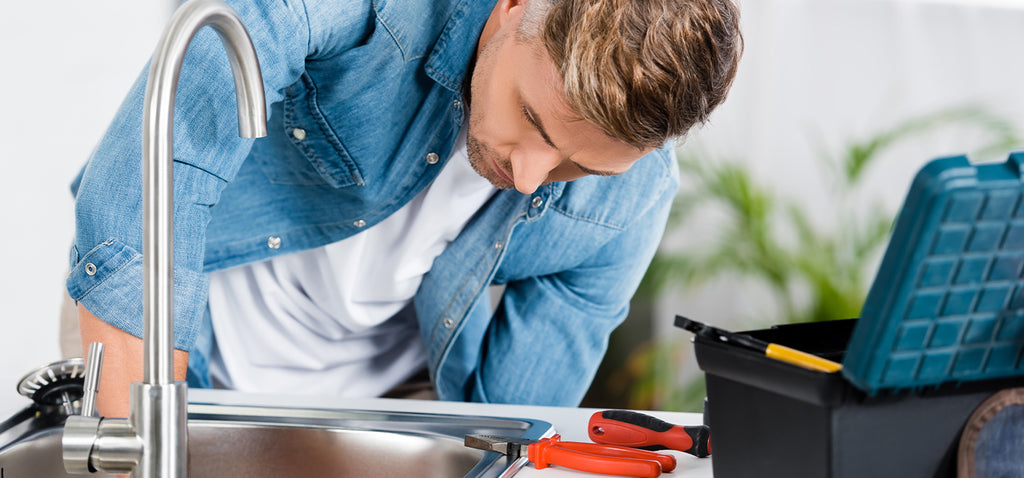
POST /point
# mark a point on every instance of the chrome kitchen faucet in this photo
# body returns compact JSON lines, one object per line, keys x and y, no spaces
{"x":152,"y":442}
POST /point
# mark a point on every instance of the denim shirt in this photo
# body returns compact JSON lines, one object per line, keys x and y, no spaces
{"x":365,"y":106}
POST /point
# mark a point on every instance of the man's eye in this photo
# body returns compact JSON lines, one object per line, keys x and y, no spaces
{"x":526,"y":114}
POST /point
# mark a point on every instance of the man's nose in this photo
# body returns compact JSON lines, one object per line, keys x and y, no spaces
{"x":530,"y":169}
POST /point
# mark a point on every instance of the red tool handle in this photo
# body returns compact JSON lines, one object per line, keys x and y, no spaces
{"x":667,"y":462}
{"x":553,"y":451}
{"x":627,"y":428}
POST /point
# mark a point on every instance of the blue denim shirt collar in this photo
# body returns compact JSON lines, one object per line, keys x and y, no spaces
{"x":449,"y":61}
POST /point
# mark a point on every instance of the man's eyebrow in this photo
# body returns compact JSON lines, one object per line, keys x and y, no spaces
{"x":535,"y":121}
{"x":593,"y":172}
{"x":531,"y":116}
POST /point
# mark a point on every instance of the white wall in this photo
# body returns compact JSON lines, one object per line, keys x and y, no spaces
{"x":818,"y":74}
{"x":64,"y":67}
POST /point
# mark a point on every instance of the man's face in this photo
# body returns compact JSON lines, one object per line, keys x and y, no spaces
{"x":521,"y":133}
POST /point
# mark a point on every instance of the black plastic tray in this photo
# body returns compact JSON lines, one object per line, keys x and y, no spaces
{"x":770,"y":418}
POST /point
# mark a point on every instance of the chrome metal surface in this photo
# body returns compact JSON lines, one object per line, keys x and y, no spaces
{"x":254,"y":442}
{"x":91,"y":443}
{"x":158,"y":415}
{"x":158,"y":155}
{"x":117,"y":447}
{"x":80,"y":434}
{"x":91,"y":385}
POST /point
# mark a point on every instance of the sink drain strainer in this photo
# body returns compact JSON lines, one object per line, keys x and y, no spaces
{"x":59,"y":383}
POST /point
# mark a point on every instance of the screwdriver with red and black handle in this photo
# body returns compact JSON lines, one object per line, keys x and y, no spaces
{"x":638,"y":430}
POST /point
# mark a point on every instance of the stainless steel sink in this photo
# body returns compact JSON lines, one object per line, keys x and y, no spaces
{"x":243,"y":441}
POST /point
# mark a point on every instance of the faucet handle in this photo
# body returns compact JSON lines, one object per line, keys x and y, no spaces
{"x":82,"y":432}
{"x":93,"y":370}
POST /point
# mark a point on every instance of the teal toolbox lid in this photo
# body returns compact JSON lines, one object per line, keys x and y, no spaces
{"x":947,"y":304}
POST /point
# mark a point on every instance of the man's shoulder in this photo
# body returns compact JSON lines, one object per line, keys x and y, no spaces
{"x":411,"y":17}
{"x":408,"y":22}
{"x":397,"y":9}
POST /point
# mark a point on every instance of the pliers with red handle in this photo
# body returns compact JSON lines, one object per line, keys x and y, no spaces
{"x":589,"y":457}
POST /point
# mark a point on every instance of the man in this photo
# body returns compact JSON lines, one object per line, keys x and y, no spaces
{"x":350,"y":249}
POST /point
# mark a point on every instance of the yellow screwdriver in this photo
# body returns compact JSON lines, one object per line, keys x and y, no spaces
{"x":775,"y":351}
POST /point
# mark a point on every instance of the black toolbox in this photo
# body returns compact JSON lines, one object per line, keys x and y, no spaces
{"x":942,"y":329}
{"x":773,"y":419}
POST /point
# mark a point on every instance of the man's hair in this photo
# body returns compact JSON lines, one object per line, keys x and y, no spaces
{"x":643,"y":71}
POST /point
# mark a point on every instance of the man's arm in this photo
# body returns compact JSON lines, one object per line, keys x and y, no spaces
{"x":122,"y":362}
{"x":550,"y":332}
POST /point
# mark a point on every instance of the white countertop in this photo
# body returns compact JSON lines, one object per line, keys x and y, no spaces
{"x":571,"y":423}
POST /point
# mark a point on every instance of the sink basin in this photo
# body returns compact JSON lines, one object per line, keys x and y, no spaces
{"x":243,"y":441}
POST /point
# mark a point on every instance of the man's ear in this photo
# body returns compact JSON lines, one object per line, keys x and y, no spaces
{"x":510,"y":11}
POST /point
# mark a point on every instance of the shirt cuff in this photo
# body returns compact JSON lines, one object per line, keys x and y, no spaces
{"x":108,"y":282}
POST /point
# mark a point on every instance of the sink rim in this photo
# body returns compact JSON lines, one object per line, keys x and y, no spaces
{"x":402,"y":421}
{"x":430,"y":424}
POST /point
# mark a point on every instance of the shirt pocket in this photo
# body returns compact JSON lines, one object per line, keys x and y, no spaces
{"x":302,"y":148}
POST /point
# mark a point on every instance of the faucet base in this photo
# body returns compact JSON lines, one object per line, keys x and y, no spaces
{"x":159,"y":414}
{"x":151,"y":443}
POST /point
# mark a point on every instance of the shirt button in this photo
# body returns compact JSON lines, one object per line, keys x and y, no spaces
{"x":299,"y":134}
{"x":498,"y":245}
{"x":432,"y":158}
{"x":359,"y":223}
{"x":457,"y":104}
{"x":448,"y":323}
{"x":274,"y":242}
{"x":537,"y":201}
{"x":90,"y":269}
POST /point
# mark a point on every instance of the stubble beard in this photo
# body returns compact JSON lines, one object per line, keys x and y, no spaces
{"x":482,"y":157}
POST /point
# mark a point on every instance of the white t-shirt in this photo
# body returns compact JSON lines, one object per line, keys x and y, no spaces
{"x":317,"y":321}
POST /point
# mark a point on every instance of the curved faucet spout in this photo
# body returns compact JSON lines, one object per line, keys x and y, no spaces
{"x":159,"y":405}
{"x":153,"y":442}
{"x":158,"y":140}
